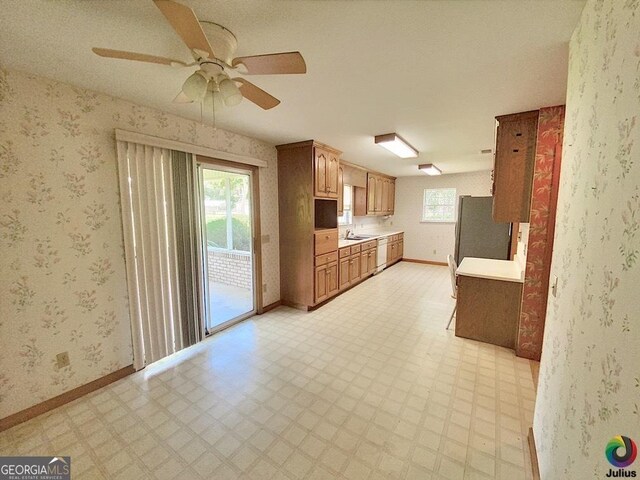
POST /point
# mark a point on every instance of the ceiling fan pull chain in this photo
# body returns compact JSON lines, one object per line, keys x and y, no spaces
{"x":213,"y":112}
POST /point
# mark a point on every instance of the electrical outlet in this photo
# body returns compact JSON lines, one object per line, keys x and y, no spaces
{"x":434,"y":251}
{"x":62,"y":359}
{"x":264,"y":287}
{"x":554,"y":286}
{"x":266,"y":239}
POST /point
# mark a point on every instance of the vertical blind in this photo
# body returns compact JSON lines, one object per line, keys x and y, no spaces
{"x":161,"y":303}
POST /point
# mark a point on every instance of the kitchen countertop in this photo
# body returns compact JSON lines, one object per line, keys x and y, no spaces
{"x":505,"y":270}
{"x":376,"y":235}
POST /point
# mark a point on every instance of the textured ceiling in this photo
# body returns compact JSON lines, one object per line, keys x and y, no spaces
{"x":436,"y":72}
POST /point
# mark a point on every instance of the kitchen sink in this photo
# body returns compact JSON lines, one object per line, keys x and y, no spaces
{"x":360,"y":237}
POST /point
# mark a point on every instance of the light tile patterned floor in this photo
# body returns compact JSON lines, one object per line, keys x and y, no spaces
{"x":370,"y":386}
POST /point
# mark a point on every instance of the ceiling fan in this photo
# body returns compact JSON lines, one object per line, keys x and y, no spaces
{"x":211,"y":83}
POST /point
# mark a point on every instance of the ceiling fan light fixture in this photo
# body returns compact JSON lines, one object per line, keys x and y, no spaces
{"x":430,"y":169}
{"x":213,"y":99}
{"x":396,"y":145}
{"x":195,"y":87}
{"x":230,"y":92}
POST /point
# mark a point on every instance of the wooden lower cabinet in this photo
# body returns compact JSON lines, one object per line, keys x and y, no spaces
{"x":368,"y":262}
{"x":354,"y":268}
{"x":326,"y":281}
{"x":395,"y":249}
{"x":373,"y":260}
{"x":338,"y":270}
{"x":344,"y":272}
{"x":488,"y":310}
{"x":357,"y":266}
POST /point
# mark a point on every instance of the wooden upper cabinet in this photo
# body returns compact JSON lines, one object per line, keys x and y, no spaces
{"x":385,"y":195}
{"x":381,"y":191}
{"x":513,"y":168}
{"x":359,"y":202}
{"x":340,"y":191}
{"x":371,"y":194}
{"x":378,"y":195}
{"x":333,"y":173}
{"x":326,"y":171}
{"x":321,"y":161}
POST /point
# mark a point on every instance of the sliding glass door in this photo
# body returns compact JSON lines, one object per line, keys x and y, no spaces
{"x":228,"y":257}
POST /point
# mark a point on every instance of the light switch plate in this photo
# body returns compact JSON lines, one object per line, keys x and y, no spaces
{"x":554,"y":286}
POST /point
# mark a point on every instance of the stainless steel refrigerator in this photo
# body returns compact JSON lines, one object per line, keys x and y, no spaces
{"x":477,"y":235}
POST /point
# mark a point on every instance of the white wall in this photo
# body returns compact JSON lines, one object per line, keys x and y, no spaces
{"x":589,"y":386}
{"x":432,"y":241}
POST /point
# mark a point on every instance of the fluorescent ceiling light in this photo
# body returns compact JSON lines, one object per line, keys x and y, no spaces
{"x":396,"y":145}
{"x":430,"y":169}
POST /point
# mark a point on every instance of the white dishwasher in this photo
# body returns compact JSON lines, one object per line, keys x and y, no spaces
{"x":381,"y":261}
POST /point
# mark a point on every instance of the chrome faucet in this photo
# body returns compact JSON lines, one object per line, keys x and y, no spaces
{"x":346,"y":235}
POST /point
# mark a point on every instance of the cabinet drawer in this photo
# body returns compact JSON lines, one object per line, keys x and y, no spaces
{"x":345,"y":252}
{"x":327,"y":258}
{"x":393,"y":238}
{"x":355,"y":249}
{"x":400,"y":236}
{"x":326,"y":241}
{"x":369,"y":245}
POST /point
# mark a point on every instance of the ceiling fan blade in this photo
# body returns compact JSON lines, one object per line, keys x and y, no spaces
{"x":186,"y":24}
{"x":273,"y":63}
{"x":182,"y":98}
{"x":256,"y":95}
{"x":140,"y":57}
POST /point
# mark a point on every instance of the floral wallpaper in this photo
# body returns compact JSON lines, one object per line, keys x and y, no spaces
{"x":536,"y":280}
{"x":63,"y":282}
{"x":589,"y":386}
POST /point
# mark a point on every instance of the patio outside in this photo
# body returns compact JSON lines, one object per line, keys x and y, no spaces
{"x":228,"y":234}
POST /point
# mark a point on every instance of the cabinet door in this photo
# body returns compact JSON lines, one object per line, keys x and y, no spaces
{"x":391,"y":202}
{"x":354,"y":268}
{"x":392,"y":248}
{"x":332,"y":174}
{"x":359,"y":202}
{"x":373,"y":259}
{"x":378,"y":195}
{"x":343,"y":273}
{"x":385,"y":196}
{"x":364,"y":263}
{"x":400,"y":248}
{"x":340,"y":191}
{"x":371,"y":194}
{"x":332,"y":279}
{"x":321,"y":286}
{"x":513,"y":168}
{"x":320,"y":171}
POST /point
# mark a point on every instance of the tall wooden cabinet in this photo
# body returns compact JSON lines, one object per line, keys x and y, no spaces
{"x":513,"y":167}
{"x":308,"y":178}
{"x":340,"y":190}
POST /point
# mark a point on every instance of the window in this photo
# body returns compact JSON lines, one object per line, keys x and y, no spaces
{"x":439,"y":205}
{"x":347,"y":211}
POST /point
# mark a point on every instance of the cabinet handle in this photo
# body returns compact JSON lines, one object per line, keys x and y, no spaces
{"x":327,"y":237}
